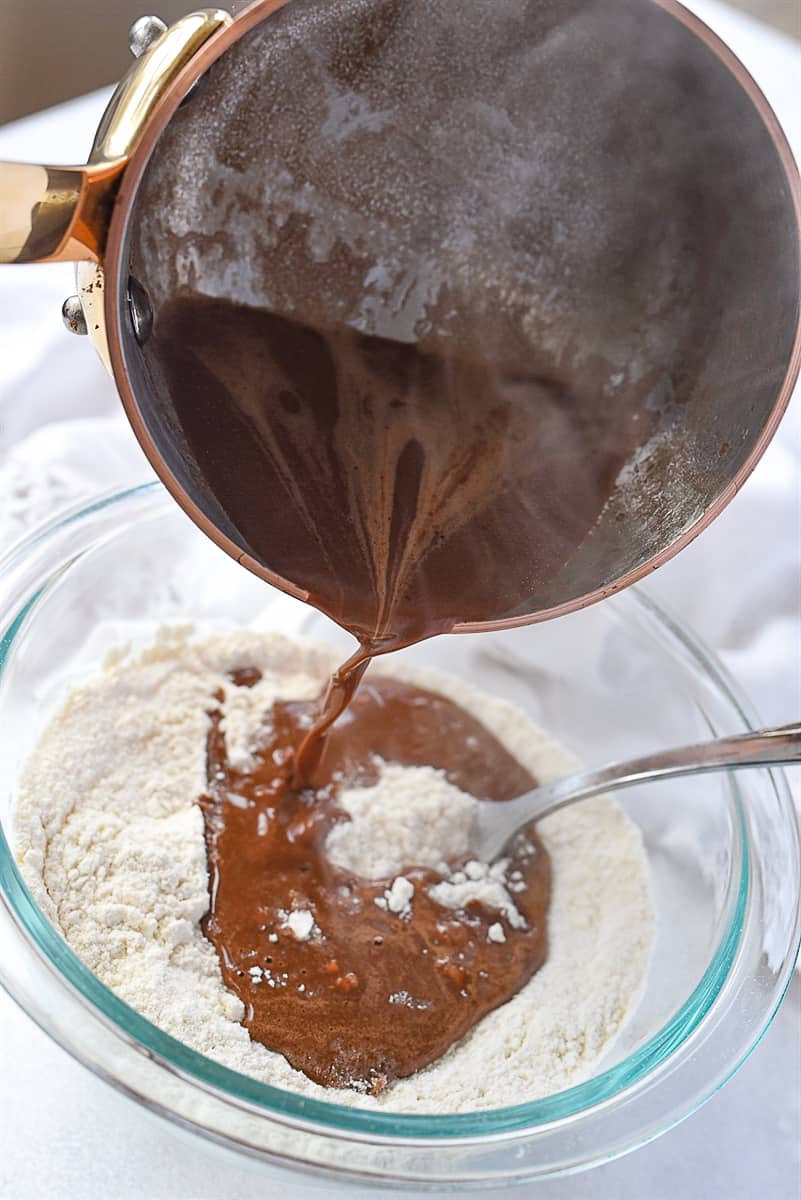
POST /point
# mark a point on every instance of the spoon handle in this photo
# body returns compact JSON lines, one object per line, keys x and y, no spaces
{"x":763,"y":747}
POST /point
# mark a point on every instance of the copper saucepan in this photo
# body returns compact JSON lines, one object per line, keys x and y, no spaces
{"x":600,"y":179}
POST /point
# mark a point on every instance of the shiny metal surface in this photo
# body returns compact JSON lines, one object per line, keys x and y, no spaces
{"x":73,"y":315}
{"x":143,"y":33}
{"x":497,"y":823}
{"x":61,"y":214}
{"x":55,"y":214}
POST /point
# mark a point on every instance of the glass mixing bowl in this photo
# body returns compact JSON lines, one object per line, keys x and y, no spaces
{"x":612,"y":681}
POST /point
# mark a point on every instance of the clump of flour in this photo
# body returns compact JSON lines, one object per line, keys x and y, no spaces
{"x":428,"y":822}
{"x":300,"y":922}
{"x":398,"y":897}
{"x":412,"y":816}
{"x":110,"y":841}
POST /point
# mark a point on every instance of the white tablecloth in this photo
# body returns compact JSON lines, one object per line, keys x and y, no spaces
{"x":63,"y":1134}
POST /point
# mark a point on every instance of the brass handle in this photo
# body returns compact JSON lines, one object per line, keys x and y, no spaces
{"x":55,"y":214}
{"x":61,"y":214}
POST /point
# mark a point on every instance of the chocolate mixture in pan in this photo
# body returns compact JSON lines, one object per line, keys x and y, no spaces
{"x":406,"y":491}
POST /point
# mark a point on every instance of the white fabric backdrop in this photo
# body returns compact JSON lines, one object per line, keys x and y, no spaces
{"x":64,"y":1134}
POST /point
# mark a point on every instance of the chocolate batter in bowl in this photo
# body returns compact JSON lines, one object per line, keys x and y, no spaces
{"x":724,"y":860}
{"x":265,"y":838}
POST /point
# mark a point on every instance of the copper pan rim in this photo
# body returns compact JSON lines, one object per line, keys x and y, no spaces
{"x":213,"y":49}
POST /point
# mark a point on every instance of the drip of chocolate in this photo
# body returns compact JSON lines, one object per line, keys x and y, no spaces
{"x":405,"y":489}
{"x":366,"y":995}
{"x":401,"y":487}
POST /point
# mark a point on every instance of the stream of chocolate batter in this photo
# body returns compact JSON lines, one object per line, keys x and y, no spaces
{"x":371,"y":995}
{"x":401,"y":487}
{"x":404,"y":488}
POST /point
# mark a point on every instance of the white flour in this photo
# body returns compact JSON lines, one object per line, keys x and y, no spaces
{"x":110,"y":842}
{"x":412,"y":815}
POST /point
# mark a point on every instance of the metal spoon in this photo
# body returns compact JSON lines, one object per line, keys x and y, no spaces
{"x":499,"y":822}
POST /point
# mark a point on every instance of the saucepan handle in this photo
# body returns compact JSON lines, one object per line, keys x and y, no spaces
{"x":55,"y":214}
{"x":61,"y":214}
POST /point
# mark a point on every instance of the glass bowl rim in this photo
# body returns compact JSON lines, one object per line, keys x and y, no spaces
{"x":363,"y":1124}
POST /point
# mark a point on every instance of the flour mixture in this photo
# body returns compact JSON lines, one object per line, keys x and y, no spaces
{"x":341,"y":941}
